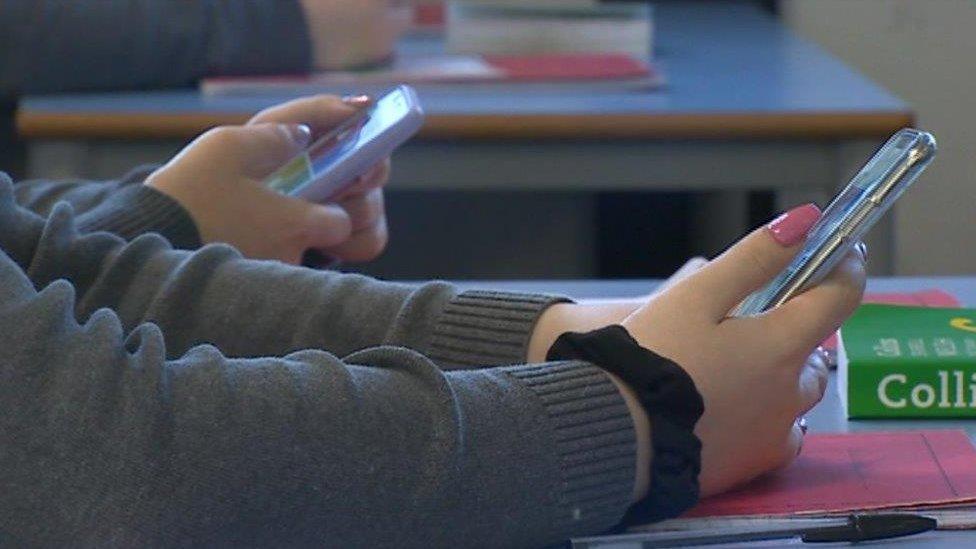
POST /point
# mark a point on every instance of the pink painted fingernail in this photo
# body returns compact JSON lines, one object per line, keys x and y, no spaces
{"x":792,"y":227}
{"x":357,"y":100}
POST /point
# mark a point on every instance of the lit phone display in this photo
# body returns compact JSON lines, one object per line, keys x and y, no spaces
{"x":337,"y":158}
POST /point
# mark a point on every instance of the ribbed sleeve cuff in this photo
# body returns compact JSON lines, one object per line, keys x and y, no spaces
{"x":595,"y":440}
{"x":137,"y":209}
{"x":486,"y":328}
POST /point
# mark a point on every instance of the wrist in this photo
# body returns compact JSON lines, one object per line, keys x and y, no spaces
{"x":671,"y":403}
{"x":575,"y":317}
{"x":642,"y":437}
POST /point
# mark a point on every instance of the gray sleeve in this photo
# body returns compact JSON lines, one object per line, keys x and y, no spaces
{"x":124,"y":207}
{"x":58,"y":45}
{"x":131,"y":415}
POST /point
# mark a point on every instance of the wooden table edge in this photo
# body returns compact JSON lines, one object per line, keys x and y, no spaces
{"x":772,"y":125}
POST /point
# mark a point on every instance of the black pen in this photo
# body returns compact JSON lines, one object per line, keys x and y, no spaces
{"x":854,"y":528}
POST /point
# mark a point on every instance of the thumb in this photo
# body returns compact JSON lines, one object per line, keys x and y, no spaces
{"x":756,"y":259}
{"x":260,"y":149}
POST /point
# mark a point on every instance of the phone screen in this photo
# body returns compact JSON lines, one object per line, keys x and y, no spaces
{"x":334,"y":147}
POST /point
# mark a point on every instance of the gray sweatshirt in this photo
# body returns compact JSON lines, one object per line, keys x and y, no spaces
{"x":156,"y":397}
{"x":67,"y":45}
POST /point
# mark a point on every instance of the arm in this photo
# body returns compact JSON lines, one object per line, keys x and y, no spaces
{"x":114,"y":433}
{"x":474,"y":328}
{"x":125,"y":207}
{"x":51,"y":45}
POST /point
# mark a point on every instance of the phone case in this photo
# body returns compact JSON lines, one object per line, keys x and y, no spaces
{"x":848,"y":217}
{"x":335,"y":160}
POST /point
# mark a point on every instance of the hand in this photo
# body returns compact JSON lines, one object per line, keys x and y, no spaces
{"x":753,"y":373}
{"x":362,"y":201}
{"x":757,"y":375}
{"x":592,"y":314}
{"x":218,"y":179}
{"x":350,"y":33}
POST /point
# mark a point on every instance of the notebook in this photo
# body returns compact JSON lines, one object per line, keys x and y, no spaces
{"x":930,"y":471}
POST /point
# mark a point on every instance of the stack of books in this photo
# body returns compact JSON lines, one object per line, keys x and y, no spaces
{"x":497,"y":46}
{"x":530,"y":27}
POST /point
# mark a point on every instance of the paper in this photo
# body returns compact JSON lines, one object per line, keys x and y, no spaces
{"x":844,"y":472}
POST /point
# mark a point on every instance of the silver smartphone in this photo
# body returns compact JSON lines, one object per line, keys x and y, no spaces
{"x":848,"y":217}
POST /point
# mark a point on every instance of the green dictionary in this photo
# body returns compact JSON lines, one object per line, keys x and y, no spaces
{"x":908,"y":362}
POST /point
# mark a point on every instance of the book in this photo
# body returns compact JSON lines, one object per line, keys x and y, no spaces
{"x":555,"y":27}
{"x":908,"y":362}
{"x":528,"y":5}
{"x":428,"y":16}
{"x":932,"y":297}
{"x":596,"y":70}
{"x":930,"y":472}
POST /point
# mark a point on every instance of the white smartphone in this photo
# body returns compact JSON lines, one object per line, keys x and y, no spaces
{"x":848,"y":217}
{"x":336,"y":159}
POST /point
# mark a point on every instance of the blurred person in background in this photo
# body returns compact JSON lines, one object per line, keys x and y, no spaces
{"x":49,"y":46}
{"x":56,"y":46}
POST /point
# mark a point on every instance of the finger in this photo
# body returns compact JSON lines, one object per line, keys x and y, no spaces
{"x":813,"y":382}
{"x":793,"y":447}
{"x":256,"y":150}
{"x":320,"y":112}
{"x":364,"y":210}
{"x":376,"y":176}
{"x":690,"y":267}
{"x":324,"y":226}
{"x":815,"y":314}
{"x":790,"y":448}
{"x":364,"y":245}
{"x":755,"y":260}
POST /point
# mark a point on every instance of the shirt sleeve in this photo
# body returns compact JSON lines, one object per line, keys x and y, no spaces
{"x":56,"y":45}
{"x":124,"y":207}
{"x":159,"y":397}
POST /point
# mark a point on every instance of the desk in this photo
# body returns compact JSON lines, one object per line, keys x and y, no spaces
{"x":828,"y":416}
{"x":748,"y":105}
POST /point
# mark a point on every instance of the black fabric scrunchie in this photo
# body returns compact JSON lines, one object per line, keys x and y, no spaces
{"x":672,"y":403}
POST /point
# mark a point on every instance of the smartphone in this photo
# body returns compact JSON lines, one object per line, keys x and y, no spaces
{"x":335,"y":160}
{"x":848,"y":217}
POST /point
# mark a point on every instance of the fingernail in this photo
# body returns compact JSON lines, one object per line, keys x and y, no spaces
{"x":863,"y":248}
{"x":357,"y":100}
{"x":802,"y":424}
{"x":301,"y":134}
{"x":792,"y":227}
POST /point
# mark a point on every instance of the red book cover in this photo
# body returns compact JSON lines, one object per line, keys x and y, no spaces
{"x":575,"y":66}
{"x":844,"y":472}
{"x":429,"y":15}
{"x":596,"y":69}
